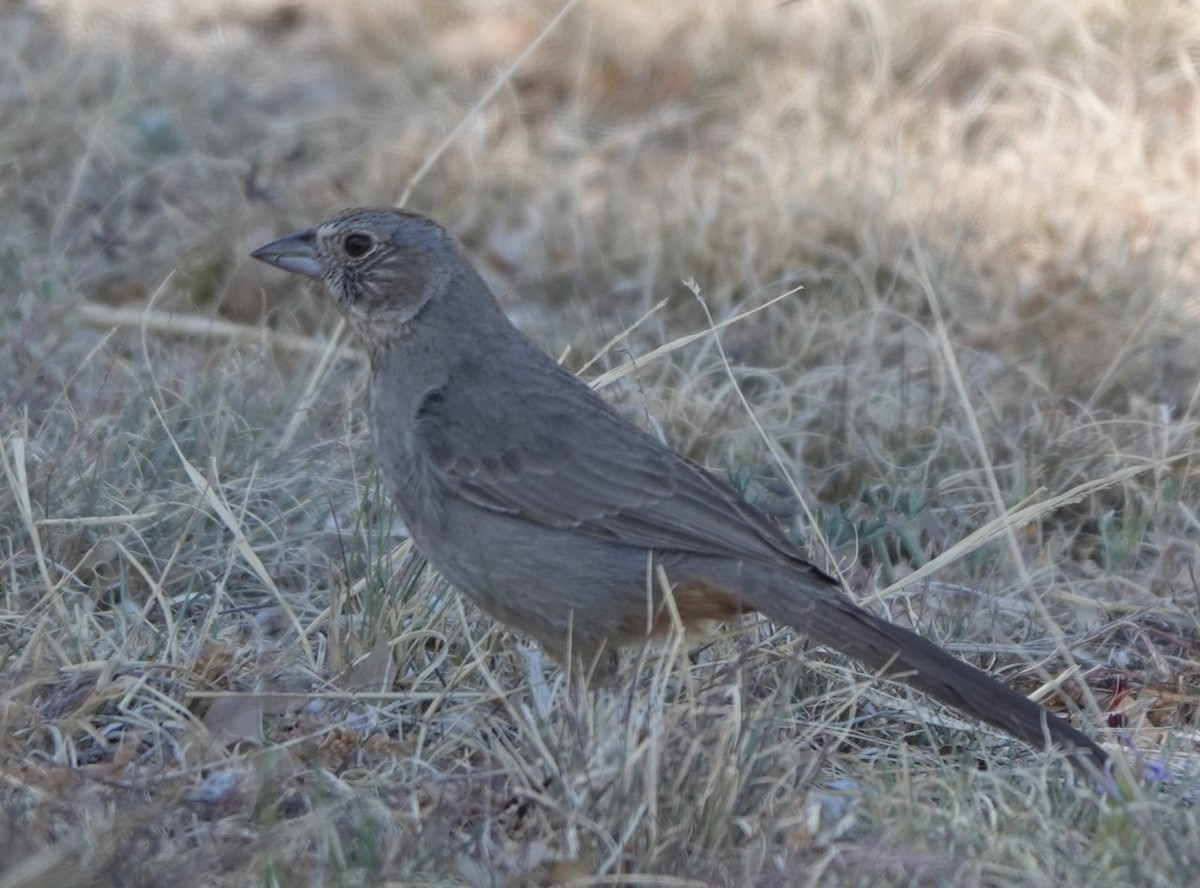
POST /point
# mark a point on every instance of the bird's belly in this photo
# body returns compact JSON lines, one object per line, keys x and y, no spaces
{"x":568,"y":591}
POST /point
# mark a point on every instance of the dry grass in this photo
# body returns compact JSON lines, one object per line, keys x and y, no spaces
{"x":211,"y":673}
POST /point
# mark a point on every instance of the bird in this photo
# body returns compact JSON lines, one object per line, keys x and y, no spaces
{"x":557,"y":516}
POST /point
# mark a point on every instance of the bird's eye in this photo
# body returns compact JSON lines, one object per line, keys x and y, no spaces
{"x":357,"y":245}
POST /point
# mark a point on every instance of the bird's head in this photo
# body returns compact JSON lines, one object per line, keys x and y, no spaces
{"x":381,"y":266}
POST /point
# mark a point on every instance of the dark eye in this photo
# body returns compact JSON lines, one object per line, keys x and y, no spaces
{"x":357,"y":245}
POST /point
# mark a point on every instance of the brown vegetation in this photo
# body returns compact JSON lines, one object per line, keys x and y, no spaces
{"x":214,"y":670}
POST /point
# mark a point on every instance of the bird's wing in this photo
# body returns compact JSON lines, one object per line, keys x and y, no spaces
{"x":563,"y":458}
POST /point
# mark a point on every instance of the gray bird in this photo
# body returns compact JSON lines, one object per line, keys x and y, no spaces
{"x":552,"y":513}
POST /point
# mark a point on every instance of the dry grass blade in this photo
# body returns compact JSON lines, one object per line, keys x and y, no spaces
{"x":616,"y":373}
{"x":14,"y":457}
{"x":328,"y":353}
{"x":772,"y":447}
{"x":1023,"y":514}
{"x":195,"y":326}
{"x":209,"y":490}
{"x":620,"y":337}
{"x":498,"y":84}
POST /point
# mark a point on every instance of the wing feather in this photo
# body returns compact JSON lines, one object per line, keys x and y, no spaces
{"x":565,"y":459}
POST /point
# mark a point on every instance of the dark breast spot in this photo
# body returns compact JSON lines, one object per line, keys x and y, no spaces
{"x":431,"y":405}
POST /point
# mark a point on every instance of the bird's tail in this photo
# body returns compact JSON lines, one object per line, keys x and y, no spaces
{"x":830,"y":619}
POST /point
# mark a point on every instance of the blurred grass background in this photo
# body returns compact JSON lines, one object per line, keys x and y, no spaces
{"x":210,"y":671}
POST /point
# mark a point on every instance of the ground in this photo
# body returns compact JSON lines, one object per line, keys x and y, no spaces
{"x":954,"y":250}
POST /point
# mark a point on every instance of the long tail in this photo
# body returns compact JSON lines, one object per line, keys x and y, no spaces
{"x":832,"y":620}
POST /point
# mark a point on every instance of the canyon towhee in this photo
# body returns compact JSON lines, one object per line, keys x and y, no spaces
{"x":532,"y":496}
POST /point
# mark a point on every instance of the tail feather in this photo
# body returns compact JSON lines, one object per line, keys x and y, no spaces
{"x":832,"y":620}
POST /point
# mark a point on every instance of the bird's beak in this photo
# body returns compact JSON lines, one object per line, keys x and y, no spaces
{"x":296,"y":253}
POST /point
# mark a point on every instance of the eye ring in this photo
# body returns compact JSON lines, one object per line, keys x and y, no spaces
{"x":357,"y":244}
